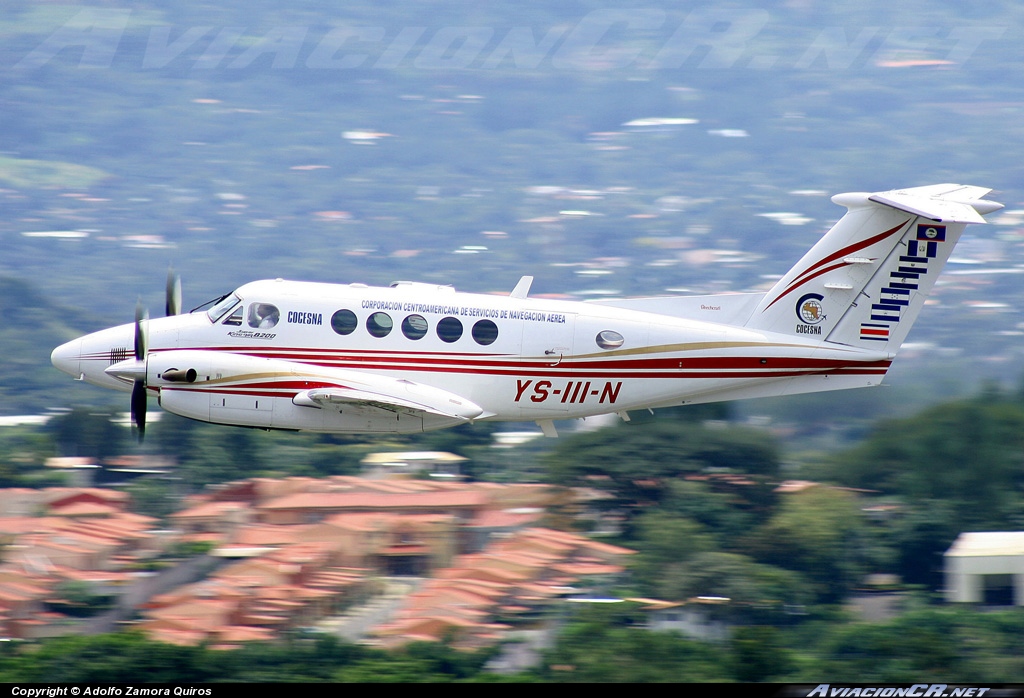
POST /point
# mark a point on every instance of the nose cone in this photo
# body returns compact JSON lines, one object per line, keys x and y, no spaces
{"x":88,"y":357}
{"x":68,"y":358}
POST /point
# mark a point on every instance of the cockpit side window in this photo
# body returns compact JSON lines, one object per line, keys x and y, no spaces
{"x":221,"y":308}
{"x":263,"y":315}
{"x":235,"y":318}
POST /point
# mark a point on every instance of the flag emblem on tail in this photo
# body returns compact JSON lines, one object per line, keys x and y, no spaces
{"x":875,"y":332}
{"x":894,"y":298}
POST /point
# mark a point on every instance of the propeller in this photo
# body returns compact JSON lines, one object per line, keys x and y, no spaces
{"x":139,"y":383}
{"x":172,"y":304}
{"x":136,"y":370}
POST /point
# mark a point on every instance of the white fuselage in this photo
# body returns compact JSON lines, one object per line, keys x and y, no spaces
{"x":462,"y":356}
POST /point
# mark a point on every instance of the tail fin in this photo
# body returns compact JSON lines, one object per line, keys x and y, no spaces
{"x":864,"y":283}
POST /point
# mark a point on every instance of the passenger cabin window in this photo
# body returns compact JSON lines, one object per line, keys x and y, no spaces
{"x":449,"y":329}
{"x":263,"y":315}
{"x":379,"y":324}
{"x":414,"y":327}
{"x":609,"y":339}
{"x":344,"y":322}
{"x":485,"y":332}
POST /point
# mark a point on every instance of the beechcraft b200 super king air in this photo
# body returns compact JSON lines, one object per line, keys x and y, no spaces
{"x":413,"y":357}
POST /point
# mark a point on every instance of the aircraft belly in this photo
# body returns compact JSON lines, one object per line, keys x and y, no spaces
{"x":186,"y":403}
{"x":242,"y":409}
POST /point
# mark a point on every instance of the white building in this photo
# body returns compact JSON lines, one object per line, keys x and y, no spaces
{"x":986,"y":567}
{"x":437,"y":464}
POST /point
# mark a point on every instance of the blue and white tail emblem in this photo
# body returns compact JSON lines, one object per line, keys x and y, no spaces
{"x":894,"y":298}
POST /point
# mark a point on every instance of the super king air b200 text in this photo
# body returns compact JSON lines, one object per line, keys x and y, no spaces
{"x":413,"y":357}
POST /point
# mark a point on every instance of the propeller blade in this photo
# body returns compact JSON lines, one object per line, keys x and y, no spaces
{"x":173,"y":301}
{"x":139,"y":407}
{"x":139,"y":386}
{"x":141,"y":316}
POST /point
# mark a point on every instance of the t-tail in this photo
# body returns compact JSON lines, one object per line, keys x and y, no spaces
{"x":864,"y":283}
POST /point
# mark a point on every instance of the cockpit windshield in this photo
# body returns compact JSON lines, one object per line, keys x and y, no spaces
{"x":221,"y":307}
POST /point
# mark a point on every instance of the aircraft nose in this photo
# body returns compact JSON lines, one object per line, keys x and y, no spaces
{"x":68,"y":358}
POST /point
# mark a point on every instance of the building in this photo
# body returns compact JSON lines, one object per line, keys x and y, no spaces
{"x":986,"y":568}
{"x":515,"y":582}
{"x":436,"y":464}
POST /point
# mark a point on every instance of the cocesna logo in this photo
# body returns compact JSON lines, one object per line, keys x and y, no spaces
{"x":809,"y":309}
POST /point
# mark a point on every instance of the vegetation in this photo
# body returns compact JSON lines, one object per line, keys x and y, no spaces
{"x":638,"y":465}
{"x":77,"y":599}
{"x":130,"y":658}
{"x":985,"y":433}
{"x":600,"y":644}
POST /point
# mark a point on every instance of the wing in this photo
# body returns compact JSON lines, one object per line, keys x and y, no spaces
{"x":404,"y":396}
{"x":199,"y":372}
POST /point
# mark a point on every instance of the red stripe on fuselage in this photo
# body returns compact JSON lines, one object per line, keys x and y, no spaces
{"x":641,"y":367}
{"x":287,"y":389}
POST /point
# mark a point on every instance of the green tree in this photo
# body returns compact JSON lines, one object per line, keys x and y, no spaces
{"x":663,"y":541}
{"x":756,"y":593}
{"x":153,"y":497}
{"x":637,"y":463}
{"x":923,"y":645}
{"x":222,"y":455}
{"x":22,"y":450}
{"x":119,"y":658}
{"x":968,"y":453}
{"x":88,"y":433}
{"x":731,"y":511}
{"x":76,"y":598}
{"x":758,"y":654}
{"x":920,"y":536}
{"x":610,"y":645}
{"x":821,"y":534}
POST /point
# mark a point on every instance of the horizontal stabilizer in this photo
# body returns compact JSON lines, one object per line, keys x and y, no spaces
{"x":946,"y":203}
